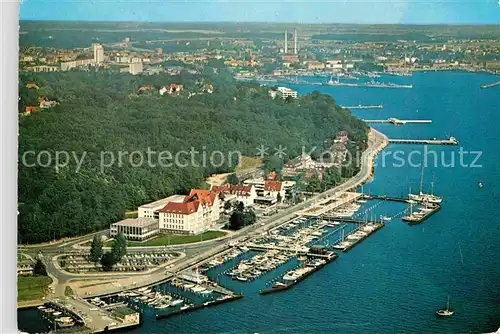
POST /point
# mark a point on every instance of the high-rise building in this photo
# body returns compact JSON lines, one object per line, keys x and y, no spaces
{"x":98,"y":53}
{"x":286,"y":41}
{"x":135,"y":68}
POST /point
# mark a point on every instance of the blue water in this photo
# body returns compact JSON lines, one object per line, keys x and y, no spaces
{"x":395,"y":280}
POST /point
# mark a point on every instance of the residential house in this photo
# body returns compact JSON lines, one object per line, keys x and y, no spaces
{"x":32,"y":86}
{"x":30,"y":109}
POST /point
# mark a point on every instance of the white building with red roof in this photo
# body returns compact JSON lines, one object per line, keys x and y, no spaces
{"x":199,"y":211}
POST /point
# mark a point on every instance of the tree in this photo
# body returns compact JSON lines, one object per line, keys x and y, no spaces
{"x":227,"y":205}
{"x":39,"y":269}
{"x":240,"y":206}
{"x":237,"y":220}
{"x":119,"y":247}
{"x":108,"y":260}
{"x":279,"y":198}
{"x":96,"y":249}
{"x":233,"y":179}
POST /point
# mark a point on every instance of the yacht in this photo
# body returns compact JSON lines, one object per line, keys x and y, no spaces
{"x":177,"y":302}
{"x":279,"y":285}
{"x":422,"y":197}
{"x":385,"y":218}
{"x":65,"y":322}
{"x":446,"y":312}
{"x":242,"y":278}
{"x":480,"y":184}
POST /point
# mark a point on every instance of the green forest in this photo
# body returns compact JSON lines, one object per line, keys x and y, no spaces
{"x":103,"y":112}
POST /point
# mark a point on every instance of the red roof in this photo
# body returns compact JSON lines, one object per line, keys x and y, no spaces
{"x":221,"y":189}
{"x":240,"y":190}
{"x":32,"y":108}
{"x":176,"y":86}
{"x":272,"y":185}
{"x":272,"y":176}
{"x":185,"y":208}
{"x":204,"y":196}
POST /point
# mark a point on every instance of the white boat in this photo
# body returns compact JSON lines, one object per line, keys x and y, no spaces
{"x":242,"y":278}
{"x":65,"y":322}
{"x":422,"y":197}
{"x":57,"y":313}
{"x":162,"y":306}
{"x":446,"y":312}
{"x":177,"y":302}
{"x":205,"y":292}
{"x":185,"y":307}
{"x":385,"y":218}
{"x":198,"y":289}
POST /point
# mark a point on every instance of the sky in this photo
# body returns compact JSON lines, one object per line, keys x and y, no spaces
{"x":303,"y":11}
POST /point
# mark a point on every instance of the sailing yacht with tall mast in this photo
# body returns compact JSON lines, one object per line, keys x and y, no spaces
{"x":421,"y":196}
{"x":446,"y":312}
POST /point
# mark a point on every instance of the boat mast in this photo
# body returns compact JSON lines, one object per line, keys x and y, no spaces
{"x":421,"y":179}
{"x":448,"y":304}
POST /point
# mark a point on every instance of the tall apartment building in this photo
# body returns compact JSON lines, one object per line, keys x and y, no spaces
{"x":98,"y":53}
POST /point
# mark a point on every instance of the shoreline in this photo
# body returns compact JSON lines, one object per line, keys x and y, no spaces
{"x":377,"y":141}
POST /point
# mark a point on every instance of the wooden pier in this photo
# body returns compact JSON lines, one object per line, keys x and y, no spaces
{"x":434,"y":141}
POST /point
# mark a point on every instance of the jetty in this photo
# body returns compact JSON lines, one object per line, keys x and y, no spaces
{"x":359,"y":106}
{"x":397,"y":121}
{"x":433,"y":141}
{"x":285,"y":286}
{"x":490,"y":85}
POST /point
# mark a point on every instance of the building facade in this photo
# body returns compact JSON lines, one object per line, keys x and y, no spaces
{"x":135,"y":229}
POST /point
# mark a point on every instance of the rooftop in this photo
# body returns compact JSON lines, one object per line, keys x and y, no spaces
{"x":162,"y":202}
{"x":136,"y":222}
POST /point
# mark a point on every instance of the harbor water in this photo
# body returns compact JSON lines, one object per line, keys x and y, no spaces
{"x":396,"y":279}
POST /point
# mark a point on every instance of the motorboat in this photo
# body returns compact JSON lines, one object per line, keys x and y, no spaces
{"x":385,"y":218}
{"x":177,"y":302}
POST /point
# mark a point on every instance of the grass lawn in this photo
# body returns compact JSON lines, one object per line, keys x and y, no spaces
{"x":32,"y":287}
{"x":248,"y":163}
{"x":178,"y":239}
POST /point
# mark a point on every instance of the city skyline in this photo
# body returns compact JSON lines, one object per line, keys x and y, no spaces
{"x":333,"y":11}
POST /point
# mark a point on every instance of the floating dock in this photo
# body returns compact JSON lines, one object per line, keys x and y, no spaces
{"x":358,"y":241}
{"x":422,"y":218}
{"x":396,"y":121}
{"x":449,"y":141}
{"x":227,"y":298}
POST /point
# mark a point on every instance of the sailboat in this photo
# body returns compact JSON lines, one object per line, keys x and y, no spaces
{"x":413,"y":217}
{"x":421,"y":197}
{"x":446,"y":312}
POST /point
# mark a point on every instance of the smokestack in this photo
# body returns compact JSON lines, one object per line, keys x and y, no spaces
{"x":286,"y":41}
{"x":295,"y":41}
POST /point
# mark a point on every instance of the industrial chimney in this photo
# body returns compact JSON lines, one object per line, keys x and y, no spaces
{"x":295,"y":41}
{"x":286,"y":41}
